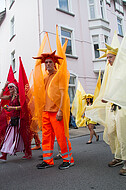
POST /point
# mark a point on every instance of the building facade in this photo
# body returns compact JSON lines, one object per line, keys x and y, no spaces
{"x":87,"y":24}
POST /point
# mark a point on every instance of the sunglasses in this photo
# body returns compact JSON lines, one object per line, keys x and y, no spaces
{"x":9,"y":87}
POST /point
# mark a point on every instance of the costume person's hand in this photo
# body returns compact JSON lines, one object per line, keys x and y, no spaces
{"x":104,"y":101}
{"x":59,"y":115}
{"x":10,"y":108}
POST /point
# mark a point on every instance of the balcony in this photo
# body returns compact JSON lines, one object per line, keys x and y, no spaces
{"x":99,"y":24}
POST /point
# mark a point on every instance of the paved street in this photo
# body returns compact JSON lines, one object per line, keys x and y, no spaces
{"x":90,"y":170}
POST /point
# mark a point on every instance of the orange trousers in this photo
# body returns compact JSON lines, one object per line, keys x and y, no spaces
{"x":51,"y":128}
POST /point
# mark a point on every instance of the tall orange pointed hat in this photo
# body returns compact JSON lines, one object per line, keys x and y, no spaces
{"x":50,"y":55}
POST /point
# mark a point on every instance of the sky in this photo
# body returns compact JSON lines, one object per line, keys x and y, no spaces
{"x":2,"y":5}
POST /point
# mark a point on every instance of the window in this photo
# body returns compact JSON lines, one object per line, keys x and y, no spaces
{"x":92,"y":9}
{"x":96,"y":46}
{"x":119,"y":22}
{"x":72,"y":87}
{"x":102,"y":8}
{"x":119,"y":5}
{"x":65,"y":33}
{"x":12,"y":27}
{"x":102,"y":74}
{"x":63,"y":4}
{"x":120,"y":2}
{"x":106,"y":39}
{"x":13,"y":60}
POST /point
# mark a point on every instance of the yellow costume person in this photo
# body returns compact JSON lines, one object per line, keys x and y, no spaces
{"x":90,"y":123}
{"x":114,"y":114}
{"x":116,"y":91}
{"x":79,"y":102}
{"x":98,"y":111}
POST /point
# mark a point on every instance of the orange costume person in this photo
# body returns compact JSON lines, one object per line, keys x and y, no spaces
{"x":52,"y":119}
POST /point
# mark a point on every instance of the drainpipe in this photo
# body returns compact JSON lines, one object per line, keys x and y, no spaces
{"x":39,"y":24}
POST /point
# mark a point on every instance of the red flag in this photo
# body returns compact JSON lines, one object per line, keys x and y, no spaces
{"x":24,"y":116}
{"x":10,"y":77}
{"x":23,"y":84}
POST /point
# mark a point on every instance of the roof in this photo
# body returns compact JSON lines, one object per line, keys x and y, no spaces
{"x":2,"y":16}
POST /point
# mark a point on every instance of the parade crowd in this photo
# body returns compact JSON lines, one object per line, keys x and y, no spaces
{"x":42,"y":104}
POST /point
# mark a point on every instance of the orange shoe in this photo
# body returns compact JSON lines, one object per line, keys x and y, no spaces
{"x":36,"y":148}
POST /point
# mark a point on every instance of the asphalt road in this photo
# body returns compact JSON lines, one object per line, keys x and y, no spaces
{"x":90,"y":170}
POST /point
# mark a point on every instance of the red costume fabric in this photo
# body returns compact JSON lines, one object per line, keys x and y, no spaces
{"x":10,"y":78}
{"x":3,"y":125}
{"x":15,"y":102}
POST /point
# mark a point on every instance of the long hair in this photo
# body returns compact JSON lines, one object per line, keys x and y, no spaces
{"x":91,"y":101}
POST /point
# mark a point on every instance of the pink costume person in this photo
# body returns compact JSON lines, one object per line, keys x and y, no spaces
{"x":13,"y":141}
{"x":17,"y":135}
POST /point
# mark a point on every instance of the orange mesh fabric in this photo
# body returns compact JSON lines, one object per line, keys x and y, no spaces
{"x":31,"y":104}
{"x":37,"y":90}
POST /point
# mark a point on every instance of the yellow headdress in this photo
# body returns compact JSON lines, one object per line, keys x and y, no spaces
{"x":108,"y":50}
{"x":88,"y":96}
